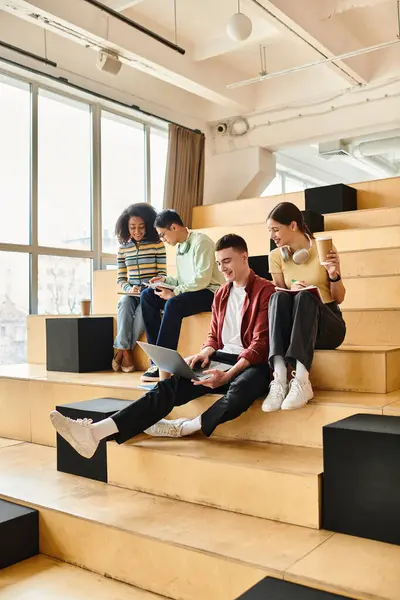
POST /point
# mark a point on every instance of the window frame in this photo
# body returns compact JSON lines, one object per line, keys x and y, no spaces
{"x":96,"y":105}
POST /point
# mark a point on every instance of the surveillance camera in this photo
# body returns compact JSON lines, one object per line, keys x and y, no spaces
{"x":222,"y":128}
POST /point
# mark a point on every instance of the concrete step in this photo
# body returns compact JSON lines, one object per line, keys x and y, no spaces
{"x":246,"y":477}
{"x":42,"y":577}
{"x":28,"y":393}
{"x":181,"y":550}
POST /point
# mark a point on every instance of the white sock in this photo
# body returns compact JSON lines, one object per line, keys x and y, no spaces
{"x":280,"y":368}
{"x":103,"y":429}
{"x":301,"y":372}
{"x":191,"y":426}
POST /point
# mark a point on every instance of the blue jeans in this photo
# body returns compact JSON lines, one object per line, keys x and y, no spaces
{"x":130,"y":322}
{"x":165,"y":332}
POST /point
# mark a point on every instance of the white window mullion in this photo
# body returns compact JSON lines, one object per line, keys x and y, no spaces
{"x":147,"y":163}
{"x":97,"y":234}
{"x":34,"y":269}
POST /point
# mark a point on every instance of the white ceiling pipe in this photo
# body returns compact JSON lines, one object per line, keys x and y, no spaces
{"x":379,"y":146}
{"x":379,"y":165}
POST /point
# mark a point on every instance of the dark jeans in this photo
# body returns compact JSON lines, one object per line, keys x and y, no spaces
{"x":238,"y":396}
{"x":165,"y":332}
{"x":299,"y":324}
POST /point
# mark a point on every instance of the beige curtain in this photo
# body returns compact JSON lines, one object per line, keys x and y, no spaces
{"x":184,"y":177}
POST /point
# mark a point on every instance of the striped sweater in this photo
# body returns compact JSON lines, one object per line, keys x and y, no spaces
{"x":137,"y":264}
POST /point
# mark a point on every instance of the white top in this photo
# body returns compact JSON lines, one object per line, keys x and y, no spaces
{"x":231,"y":328}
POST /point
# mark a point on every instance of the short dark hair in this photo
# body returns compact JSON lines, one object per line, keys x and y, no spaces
{"x":287,"y":212}
{"x":143,"y":210}
{"x":231,"y":240}
{"x":168,"y":217}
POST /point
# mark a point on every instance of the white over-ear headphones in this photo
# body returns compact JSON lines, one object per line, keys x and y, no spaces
{"x":299,"y":257}
{"x":183,"y":247}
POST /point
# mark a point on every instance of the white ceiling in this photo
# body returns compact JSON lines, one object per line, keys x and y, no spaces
{"x":294,"y":33}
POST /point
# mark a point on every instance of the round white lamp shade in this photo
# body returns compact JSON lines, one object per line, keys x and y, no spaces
{"x":239,"y":27}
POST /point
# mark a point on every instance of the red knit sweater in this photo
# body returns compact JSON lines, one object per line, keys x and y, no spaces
{"x":254,"y":331}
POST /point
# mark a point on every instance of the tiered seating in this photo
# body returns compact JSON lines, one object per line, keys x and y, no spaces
{"x":194,"y":519}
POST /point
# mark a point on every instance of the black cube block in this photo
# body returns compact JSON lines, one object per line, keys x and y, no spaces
{"x":331,"y":198}
{"x":313,"y":220}
{"x":277,"y":589}
{"x":69,"y":461}
{"x":260,"y":266}
{"x":79,"y":344}
{"x":362,"y":477}
{"x":19,"y":533}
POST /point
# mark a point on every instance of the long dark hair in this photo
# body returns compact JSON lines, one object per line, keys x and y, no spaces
{"x":287,"y":212}
{"x":143,"y":210}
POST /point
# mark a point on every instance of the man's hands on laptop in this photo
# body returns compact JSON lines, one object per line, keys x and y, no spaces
{"x":216,"y":377}
{"x":201,"y":360}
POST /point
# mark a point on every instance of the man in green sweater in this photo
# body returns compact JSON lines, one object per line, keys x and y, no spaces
{"x":197,"y":279}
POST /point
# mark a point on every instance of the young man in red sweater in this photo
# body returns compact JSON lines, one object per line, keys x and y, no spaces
{"x":238,"y":337}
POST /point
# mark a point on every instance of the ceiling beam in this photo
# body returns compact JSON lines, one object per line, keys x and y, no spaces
{"x":121,"y":5}
{"x":85,"y":24}
{"x":326,"y":36}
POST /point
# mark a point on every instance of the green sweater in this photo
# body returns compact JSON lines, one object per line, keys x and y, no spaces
{"x":196,"y":269}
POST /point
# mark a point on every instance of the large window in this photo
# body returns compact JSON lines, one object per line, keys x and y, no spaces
{"x":63,"y":283}
{"x":15,"y":160}
{"x":123,"y":174}
{"x":285,"y":183}
{"x":64,"y":173}
{"x":14,"y":306}
{"x":69,"y":167}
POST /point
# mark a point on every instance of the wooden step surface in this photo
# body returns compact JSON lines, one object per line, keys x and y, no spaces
{"x":377,"y":194}
{"x":162,"y":545}
{"x":370,"y":263}
{"x":357,"y":368}
{"x":28,"y":393}
{"x":247,"y":477}
{"x":368,"y":293}
{"x":44,"y":578}
{"x":358,"y":568}
{"x":372,"y":327}
{"x":361,"y":219}
{"x":181,"y":550}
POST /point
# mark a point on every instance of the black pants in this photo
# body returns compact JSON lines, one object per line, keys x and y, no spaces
{"x":165,"y":332}
{"x":238,"y":396}
{"x":299,"y":324}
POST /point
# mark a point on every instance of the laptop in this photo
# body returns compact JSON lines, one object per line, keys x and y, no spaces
{"x":172,"y":362}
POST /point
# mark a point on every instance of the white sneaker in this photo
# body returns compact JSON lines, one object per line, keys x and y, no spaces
{"x":78,"y":433}
{"x":300,"y":392}
{"x":277,"y":393}
{"x":166,"y":428}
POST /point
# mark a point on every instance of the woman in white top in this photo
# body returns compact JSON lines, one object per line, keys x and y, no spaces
{"x":299,"y":323}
